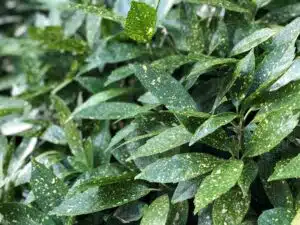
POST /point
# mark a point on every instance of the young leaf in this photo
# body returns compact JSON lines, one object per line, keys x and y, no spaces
{"x":112,"y":111}
{"x":157,"y":212}
{"x":140,"y":23}
{"x":100,"y":11}
{"x":100,"y":198}
{"x":166,"y":88}
{"x":178,"y":168}
{"x":276,"y":216}
{"x":20,"y":214}
{"x":286,"y":169}
{"x":279,"y":123}
{"x":221,"y":180}
{"x":247,"y":177}
{"x":252,"y":41}
{"x":168,"y":139}
{"x":230,"y":208}
{"x":211,"y":125}
{"x":245,"y":75}
{"x":227,"y":4}
{"x":48,"y":190}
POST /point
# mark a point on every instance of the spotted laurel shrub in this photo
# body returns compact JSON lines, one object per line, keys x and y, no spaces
{"x":168,"y":112}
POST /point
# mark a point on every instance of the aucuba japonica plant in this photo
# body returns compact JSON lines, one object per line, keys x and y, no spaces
{"x":151,"y":112}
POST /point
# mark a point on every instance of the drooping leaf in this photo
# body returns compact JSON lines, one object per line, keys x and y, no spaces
{"x":252,"y":41}
{"x":48,"y":190}
{"x":100,"y":198}
{"x":276,"y":216}
{"x":168,"y":139}
{"x":157,"y":212}
{"x":231,"y":208}
{"x":212,"y":124}
{"x":248,"y":175}
{"x":140,"y":22}
{"x":180,"y":167}
{"x":112,"y":111}
{"x":21,"y":214}
{"x":175,"y":97}
{"x":221,"y":180}
{"x":286,"y":169}
{"x":130,"y":212}
{"x":283,"y":14}
{"x":279,"y":123}
{"x":100,"y":11}
{"x":227,"y":4}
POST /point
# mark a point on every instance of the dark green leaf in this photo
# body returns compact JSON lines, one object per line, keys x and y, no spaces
{"x":20,"y":214}
{"x":221,"y":180}
{"x":227,"y":4}
{"x":119,"y":74}
{"x":48,"y":190}
{"x":100,"y":198}
{"x":231,"y":208}
{"x":178,"y":214}
{"x":186,"y":190}
{"x":276,"y":216}
{"x":252,"y":41}
{"x":178,"y":168}
{"x":279,"y":123}
{"x":211,"y":125}
{"x":248,"y":175}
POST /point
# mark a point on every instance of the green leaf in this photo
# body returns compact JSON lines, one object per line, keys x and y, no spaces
{"x":166,"y":88}
{"x":245,"y":75}
{"x":100,"y":97}
{"x":92,"y":29}
{"x":248,"y":175}
{"x":211,"y":125}
{"x":73,"y":135}
{"x":100,"y":11}
{"x":279,"y":123}
{"x":180,"y":167}
{"x":227,"y":4}
{"x":55,"y":135}
{"x":290,"y":75}
{"x":3,"y":156}
{"x":130,"y":212}
{"x":276,"y":216}
{"x":10,"y":105}
{"x":231,"y":208}
{"x":168,"y":139}
{"x":252,"y":41}
{"x":178,"y":214}
{"x":100,"y":176}
{"x":286,"y":169}
{"x":119,"y":74}
{"x":157,"y":212}
{"x":221,"y":180}
{"x":48,"y":190}
{"x":20,"y":214}
{"x":100,"y":198}
{"x":205,"y":216}
{"x":112,"y":111}
{"x":296,"y":219}
{"x":186,"y":190}
{"x":52,"y":38}
{"x":92,"y":84}
{"x":203,"y":65}
{"x":140,"y":23}
{"x":219,"y":40}
{"x":73,"y":23}
{"x":283,"y":14}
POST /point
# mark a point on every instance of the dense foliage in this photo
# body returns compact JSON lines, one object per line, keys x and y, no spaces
{"x":169,"y":112}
